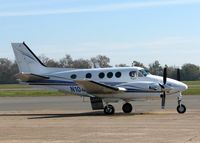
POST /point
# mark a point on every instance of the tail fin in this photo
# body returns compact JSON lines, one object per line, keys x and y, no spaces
{"x":27,"y":60}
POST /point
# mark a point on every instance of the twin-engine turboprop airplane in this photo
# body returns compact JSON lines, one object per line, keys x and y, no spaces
{"x":102,"y":85}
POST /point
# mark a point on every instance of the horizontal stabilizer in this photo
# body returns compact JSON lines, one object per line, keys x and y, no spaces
{"x":25,"y":77}
{"x":93,"y":87}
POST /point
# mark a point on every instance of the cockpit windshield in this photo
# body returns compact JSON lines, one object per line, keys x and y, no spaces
{"x":143,"y":72}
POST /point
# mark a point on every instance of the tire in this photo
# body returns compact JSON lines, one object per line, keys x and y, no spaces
{"x":127,"y":108}
{"x":181,"y":109}
{"x":109,"y":110}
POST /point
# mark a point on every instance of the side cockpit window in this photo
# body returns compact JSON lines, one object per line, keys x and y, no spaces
{"x":133,"y":74}
{"x":143,"y":72}
{"x":140,"y":74}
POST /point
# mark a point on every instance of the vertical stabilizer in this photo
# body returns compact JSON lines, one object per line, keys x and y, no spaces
{"x":27,"y":60}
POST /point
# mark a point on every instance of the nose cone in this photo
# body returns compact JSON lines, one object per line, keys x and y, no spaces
{"x":182,"y":86}
{"x":177,"y":85}
{"x":174,"y":85}
{"x":186,"y":87}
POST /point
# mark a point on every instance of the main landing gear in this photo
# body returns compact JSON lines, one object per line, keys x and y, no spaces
{"x":127,"y":108}
{"x":180,"y":108}
{"x":109,"y":109}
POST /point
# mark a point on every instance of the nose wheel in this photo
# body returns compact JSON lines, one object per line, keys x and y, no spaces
{"x":180,"y":108}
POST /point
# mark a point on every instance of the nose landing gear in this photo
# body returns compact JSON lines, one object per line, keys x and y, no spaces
{"x":180,"y":108}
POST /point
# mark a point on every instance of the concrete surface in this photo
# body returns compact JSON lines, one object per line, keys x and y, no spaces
{"x":69,"y":120}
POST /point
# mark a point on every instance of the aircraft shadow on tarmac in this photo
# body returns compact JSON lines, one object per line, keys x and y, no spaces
{"x":85,"y":114}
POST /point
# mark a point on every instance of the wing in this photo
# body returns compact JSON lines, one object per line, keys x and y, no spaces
{"x":30,"y":77}
{"x":93,"y":87}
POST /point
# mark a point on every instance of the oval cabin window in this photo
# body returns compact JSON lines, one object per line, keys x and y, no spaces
{"x":110,"y":75}
{"x":88,"y":75}
{"x":118,"y":74}
{"x":73,"y":76}
{"x":101,"y":75}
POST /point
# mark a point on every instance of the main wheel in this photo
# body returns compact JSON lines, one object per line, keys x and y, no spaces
{"x":181,"y":108}
{"x":127,"y":108}
{"x":109,"y":110}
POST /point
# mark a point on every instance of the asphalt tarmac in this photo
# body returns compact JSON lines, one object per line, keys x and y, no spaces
{"x":70,"y":119}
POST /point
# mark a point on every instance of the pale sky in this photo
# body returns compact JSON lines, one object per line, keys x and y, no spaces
{"x":123,"y":30}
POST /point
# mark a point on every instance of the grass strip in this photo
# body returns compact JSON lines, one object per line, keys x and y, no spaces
{"x":31,"y":93}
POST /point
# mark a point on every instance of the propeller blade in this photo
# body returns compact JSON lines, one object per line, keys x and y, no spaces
{"x":165,"y":75}
{"x":163,"y":100}
{"x":162,"y":86}
{"x":178,"y":75}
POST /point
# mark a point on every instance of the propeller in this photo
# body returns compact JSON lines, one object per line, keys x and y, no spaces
{"x":163,"y":100}
{"x":178,"y":75}
{"x":163,"y":96}
{"x":165,"y":76}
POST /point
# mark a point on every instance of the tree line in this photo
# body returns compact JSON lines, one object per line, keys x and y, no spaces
{"x":8,"y":69}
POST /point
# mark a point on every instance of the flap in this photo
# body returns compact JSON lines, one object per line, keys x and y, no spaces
{"x":93,"y":87}
{"x":30,"y":77}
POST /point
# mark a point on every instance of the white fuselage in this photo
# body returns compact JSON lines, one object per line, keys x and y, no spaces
{"x":139,"y":84}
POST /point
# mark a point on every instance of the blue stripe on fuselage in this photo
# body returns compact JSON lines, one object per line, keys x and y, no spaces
{"x":52,"y":82}
{"x":72,"y":83}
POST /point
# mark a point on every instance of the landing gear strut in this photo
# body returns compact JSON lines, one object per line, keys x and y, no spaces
{"x":127,"y":108}
{"x":109,"y":109}
{"x":180,"y":108}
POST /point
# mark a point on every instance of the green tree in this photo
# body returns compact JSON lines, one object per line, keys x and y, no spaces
{"x":14,"y":70}
{"x":190,"y":72}
{"x":172,"y":72}
{"x":81,"y":63}
{"x":138,"y":64}
{"x":100,"y":61}
{"x":155,"y":68}
{"x":49,"y":62}
{"x":7,"y":71}
{"x":66,"y":62}
{"x":122,"y":65}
